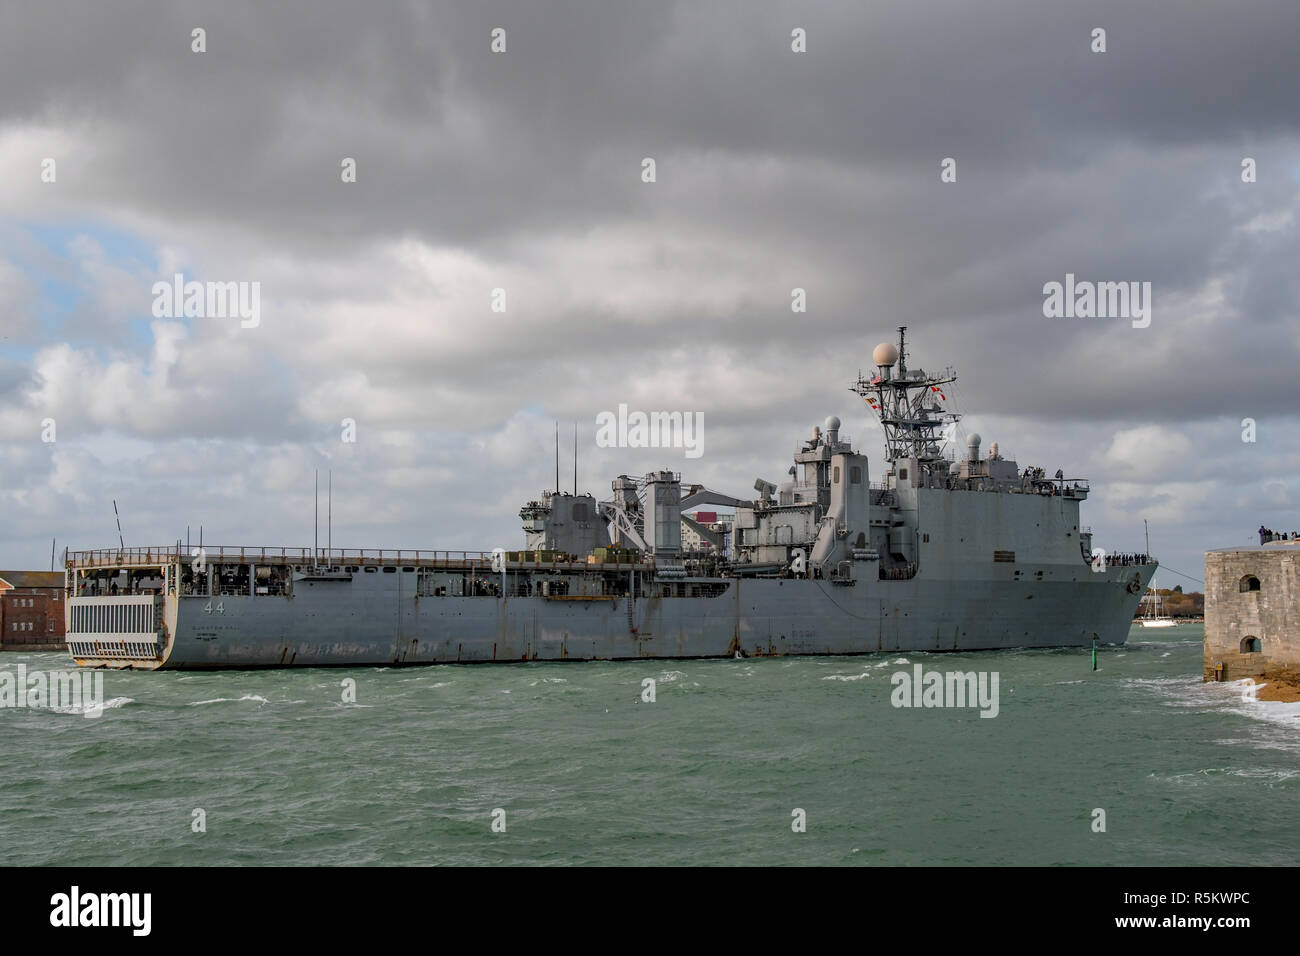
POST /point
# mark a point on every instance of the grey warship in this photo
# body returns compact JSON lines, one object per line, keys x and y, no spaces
{"x":947,"y":552}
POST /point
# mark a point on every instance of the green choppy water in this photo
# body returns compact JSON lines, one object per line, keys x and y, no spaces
{"x":707,"y":774}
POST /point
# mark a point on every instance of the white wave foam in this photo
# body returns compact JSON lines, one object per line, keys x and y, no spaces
{"x":1270,"y":711}
{"x":230,"y":700}
{"x":1193,"y":694}
{"x":1253,"y":773}
{"x":846,"y":677}
{"x":110,"y":704}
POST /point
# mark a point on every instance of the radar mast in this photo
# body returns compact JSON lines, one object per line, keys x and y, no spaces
{"x":908,"y":402}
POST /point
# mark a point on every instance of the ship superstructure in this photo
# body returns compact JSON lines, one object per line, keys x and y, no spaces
{"x":947,"y":552}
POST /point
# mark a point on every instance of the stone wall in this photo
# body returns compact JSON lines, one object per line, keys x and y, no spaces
{"x":1271,"y":614}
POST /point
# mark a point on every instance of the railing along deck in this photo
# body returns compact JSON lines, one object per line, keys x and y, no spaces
{"x":304,"y":557}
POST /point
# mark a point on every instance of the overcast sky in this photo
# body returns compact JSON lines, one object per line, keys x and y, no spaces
{"x":523,"y":171}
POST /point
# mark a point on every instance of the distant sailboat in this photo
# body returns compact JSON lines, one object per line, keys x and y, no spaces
{"x":1154,"y":615}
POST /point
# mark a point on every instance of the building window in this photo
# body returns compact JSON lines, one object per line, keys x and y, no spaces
{"x":1249,"y":583}
{"x":1250,"y":645}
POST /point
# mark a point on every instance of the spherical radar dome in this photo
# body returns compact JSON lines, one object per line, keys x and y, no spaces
{"x":831,"y":424}
{"x":884,"y":354}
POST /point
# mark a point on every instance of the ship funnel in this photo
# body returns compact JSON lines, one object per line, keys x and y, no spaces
{"x":973,"y":447}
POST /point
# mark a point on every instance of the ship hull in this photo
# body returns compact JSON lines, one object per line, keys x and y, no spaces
{"x":381,"y":620}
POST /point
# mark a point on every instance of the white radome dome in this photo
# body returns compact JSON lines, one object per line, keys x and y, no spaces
{"x":884,"y":355}
{"x":831,"y":424}
{"x":974,"y":440}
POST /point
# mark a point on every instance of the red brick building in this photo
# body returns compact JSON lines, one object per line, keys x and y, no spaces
{"x":31,"y":610}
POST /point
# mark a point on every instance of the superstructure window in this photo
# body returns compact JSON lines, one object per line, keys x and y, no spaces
{"x":855,"y":474}
{"x":837,"y":474}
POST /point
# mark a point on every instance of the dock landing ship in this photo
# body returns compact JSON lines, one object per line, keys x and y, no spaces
{"x":959,"y":553}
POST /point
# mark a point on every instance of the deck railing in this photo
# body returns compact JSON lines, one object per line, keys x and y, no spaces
{"x":220,"y":554}
{"x":307,"y":557}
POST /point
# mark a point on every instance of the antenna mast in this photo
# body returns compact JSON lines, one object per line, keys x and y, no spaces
{"x":908,"y":406}
{"x":121,"y":543}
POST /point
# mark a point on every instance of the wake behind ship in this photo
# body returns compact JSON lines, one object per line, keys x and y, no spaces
{"x":943,"y":554}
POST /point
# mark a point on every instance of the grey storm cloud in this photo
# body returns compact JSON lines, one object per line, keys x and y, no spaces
{"x":1116,"y":166}
{"x":775,"y":170}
